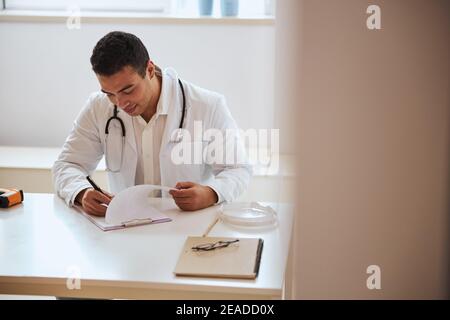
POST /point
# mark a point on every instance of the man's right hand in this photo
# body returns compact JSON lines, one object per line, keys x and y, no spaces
{"x":93,"y":202}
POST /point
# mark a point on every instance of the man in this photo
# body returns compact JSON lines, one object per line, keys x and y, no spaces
{"x":137,"y":121}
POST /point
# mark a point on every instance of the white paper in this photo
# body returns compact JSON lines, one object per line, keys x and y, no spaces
{"x":162,"y":188}
{"x":134,"y":206}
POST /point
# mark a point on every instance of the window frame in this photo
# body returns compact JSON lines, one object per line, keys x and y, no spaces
{"x":264,"y":9}
{"x":154,"y":6}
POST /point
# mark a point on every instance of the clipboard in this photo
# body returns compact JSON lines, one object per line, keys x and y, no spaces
{"x":131,"y":207}
{"x":101,"y":223}
{"x":240,"y":260}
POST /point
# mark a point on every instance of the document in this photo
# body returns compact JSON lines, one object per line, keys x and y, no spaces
{"x":237,"y":258}
{"x":131,"y":207}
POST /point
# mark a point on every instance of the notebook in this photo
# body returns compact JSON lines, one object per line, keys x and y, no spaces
{"x":239,"y":260}
{"x":131,"y":207}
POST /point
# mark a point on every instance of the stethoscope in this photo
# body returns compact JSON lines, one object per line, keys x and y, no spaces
{"x":177,"y":138}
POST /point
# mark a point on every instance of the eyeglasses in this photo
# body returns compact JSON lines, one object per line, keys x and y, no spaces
{"x":213,"y":246}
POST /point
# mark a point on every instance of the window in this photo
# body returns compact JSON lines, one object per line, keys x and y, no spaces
{"x":247,"y":8}
{"x":163,"y":6}
{"x":184,"y":8}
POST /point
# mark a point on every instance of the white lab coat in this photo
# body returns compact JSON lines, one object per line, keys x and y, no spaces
{"x":85,"y":146}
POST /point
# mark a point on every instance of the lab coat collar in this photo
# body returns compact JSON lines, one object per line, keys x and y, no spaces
{"x":164,"y":101}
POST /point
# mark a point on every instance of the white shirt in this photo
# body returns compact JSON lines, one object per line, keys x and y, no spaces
{"x":148,"y":142}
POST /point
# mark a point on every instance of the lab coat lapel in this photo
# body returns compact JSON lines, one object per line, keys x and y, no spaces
{"x":125,"y":178}
{"x":173,"y":108}
{"x":130,"y":139}
{"x":174,"y":103}
{"x":130,"y":153}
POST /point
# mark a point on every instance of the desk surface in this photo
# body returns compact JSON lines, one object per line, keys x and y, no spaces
{"x":43,"y":243}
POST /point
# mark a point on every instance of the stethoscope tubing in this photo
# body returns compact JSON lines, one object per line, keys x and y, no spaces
{"x":122,"y":125}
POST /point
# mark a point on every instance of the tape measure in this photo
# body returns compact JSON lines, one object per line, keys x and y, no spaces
{"x":10,"y":197}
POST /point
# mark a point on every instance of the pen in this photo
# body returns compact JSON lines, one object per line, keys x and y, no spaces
{"x":211,"y":226}
{"x":94,"y":185}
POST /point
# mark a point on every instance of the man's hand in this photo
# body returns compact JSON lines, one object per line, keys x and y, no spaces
{"x":94,"y":202}
{"x":193,"y":196}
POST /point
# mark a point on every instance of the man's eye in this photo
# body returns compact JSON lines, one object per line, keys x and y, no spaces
{"x":128,"y":92}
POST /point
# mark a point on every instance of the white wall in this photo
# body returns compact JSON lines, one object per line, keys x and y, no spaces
{"x":45,"y":74}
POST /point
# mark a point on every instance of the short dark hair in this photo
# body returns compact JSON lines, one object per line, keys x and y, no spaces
{"x":117,"y":50}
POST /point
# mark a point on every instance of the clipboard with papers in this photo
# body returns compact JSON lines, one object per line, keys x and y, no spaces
{"x":131,"y":207}
{"x":220,"y":257}
{"x":101,"y":223}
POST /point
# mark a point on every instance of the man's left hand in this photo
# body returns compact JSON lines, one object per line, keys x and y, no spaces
{"x":192,"y":196}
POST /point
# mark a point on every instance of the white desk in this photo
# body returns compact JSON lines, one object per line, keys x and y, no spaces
{"x":42,"y":242}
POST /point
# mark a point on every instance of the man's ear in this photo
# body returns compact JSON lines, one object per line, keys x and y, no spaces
{"x":150,"y":69}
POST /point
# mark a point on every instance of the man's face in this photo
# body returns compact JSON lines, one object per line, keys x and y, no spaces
{"x":127,"y":90}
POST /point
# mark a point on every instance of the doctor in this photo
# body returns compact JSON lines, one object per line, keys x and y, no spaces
{"x":141,"y":114}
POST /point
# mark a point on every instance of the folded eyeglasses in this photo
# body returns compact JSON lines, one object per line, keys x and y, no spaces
{"x":213,"y":246}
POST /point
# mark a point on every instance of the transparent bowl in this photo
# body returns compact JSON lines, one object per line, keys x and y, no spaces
{"x":251,"y":214}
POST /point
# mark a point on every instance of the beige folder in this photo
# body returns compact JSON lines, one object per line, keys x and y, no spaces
{"x":239,"y":260}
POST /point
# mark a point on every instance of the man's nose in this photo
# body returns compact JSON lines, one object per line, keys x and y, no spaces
{"x":121,"y":103}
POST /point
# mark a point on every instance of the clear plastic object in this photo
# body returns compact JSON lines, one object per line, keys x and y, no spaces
{"x":252,"y":215}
